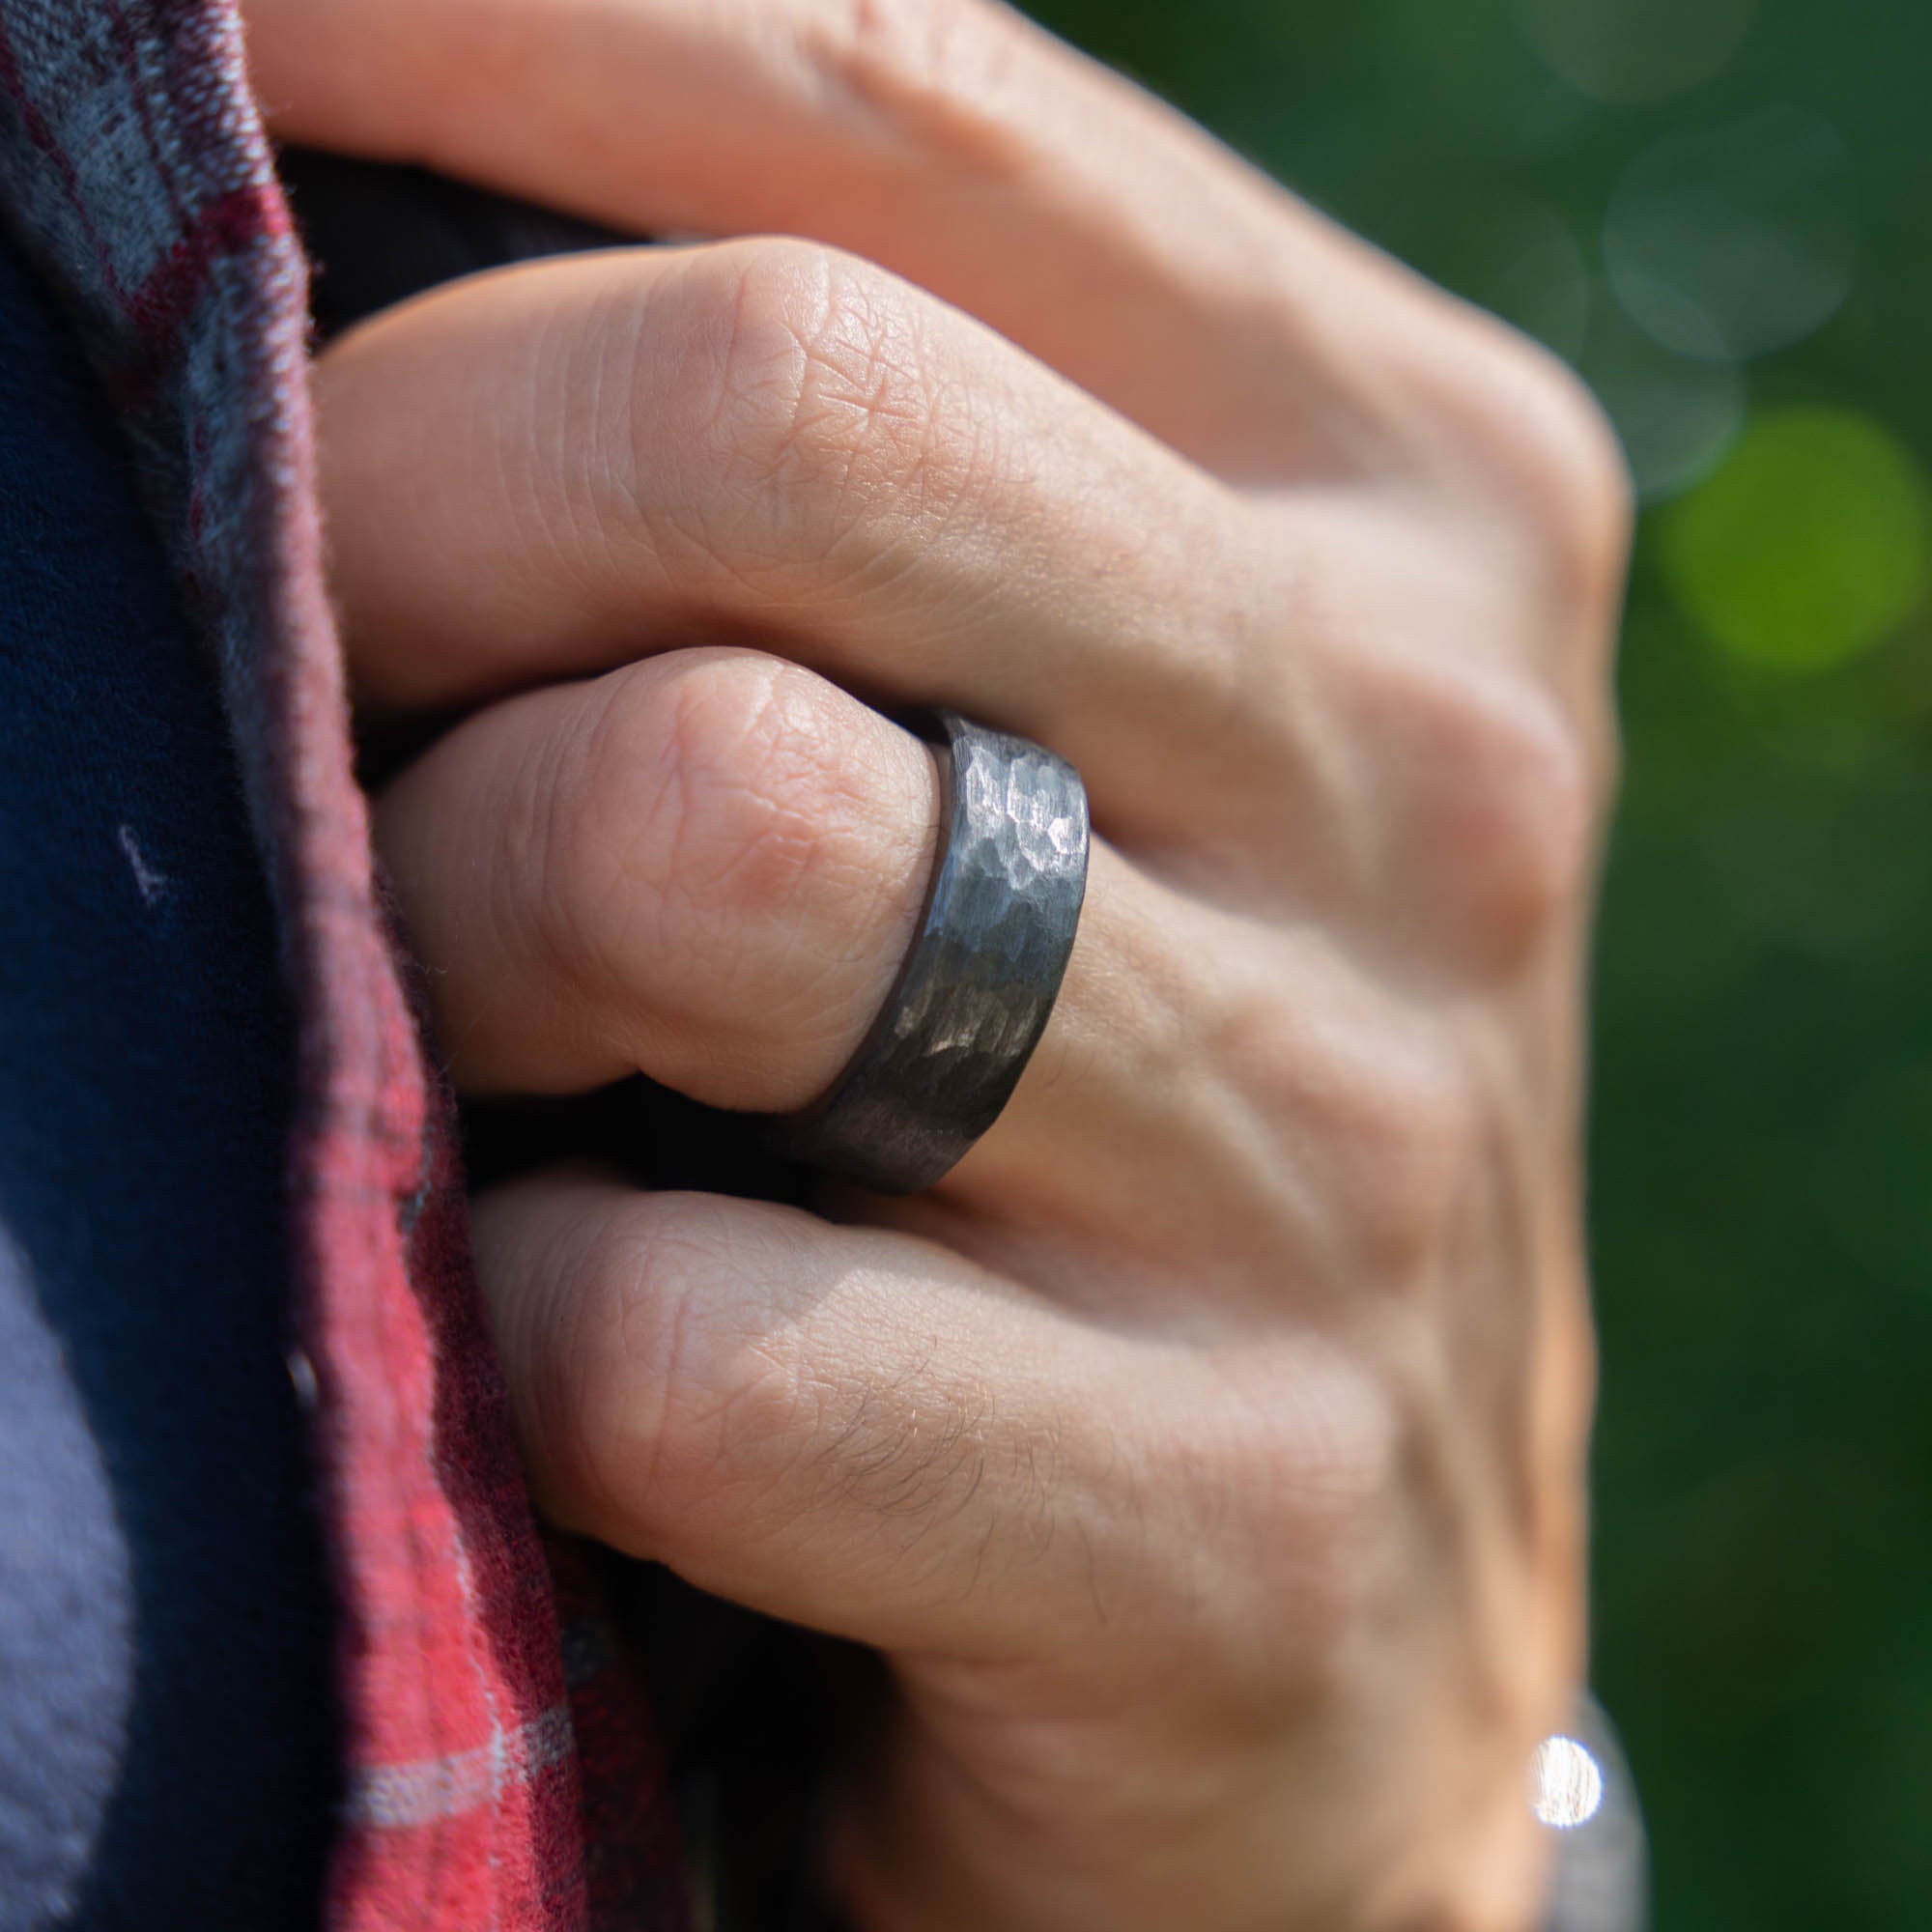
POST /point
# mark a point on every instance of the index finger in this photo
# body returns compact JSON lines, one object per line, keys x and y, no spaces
{"x":949,"y":140}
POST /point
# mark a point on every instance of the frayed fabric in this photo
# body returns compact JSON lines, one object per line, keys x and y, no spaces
{"x":135,"y":173}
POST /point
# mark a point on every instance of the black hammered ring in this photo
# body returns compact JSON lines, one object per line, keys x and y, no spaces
{"x":978,"y":985}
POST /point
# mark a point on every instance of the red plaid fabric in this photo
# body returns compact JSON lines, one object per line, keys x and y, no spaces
{"x":133,"y":166}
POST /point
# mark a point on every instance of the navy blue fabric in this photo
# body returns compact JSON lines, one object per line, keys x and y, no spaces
{"x":167,"y":1728}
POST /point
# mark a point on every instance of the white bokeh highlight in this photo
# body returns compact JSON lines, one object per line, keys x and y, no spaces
{"x":1566,"y":1785}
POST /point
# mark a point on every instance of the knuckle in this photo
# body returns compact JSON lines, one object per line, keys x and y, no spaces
{"x":1525,"y":808}
{"x":601,"y":1421}
{"x":532,"y":840}
{"x":755,"y":795}
{"x":1413,"y":1128}
{"x":931,"y":73}
{"x":706,"y":791}
{"x":731,"y":838}
{"x":828,"y":445}
{"x":1560,"y":470}
{"x":1316,"y":1454}
{"x":672,"y":1400}
{"x":1384,"y":1107}
{"x":1338,"y":1457}
{"x":881,"y":44}
{"x":597,"y":832}
{"x":1505,"y":795}
{"x":1582,"y":483}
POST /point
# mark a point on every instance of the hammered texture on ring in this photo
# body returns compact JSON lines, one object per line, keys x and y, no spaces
{"x":980,"y":979}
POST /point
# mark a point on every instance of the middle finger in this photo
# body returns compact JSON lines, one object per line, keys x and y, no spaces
{"x":564,"y":468}
{"x":709,"y":866}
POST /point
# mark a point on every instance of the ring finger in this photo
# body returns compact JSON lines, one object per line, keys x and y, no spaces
{"x":708,"y":866}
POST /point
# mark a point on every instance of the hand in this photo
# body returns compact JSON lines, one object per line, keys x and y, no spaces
{"x":1206,"y":1453}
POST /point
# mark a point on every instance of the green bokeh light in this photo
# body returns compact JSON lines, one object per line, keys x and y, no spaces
{"x":1807,"y":546}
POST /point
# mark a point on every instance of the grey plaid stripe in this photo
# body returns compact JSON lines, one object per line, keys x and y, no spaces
{"x":395,"y":1796}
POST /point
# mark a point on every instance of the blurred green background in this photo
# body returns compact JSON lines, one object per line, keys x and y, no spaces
{"x":1721,"y":211}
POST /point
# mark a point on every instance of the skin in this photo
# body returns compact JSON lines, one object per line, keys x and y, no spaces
{"x":1205,"y":1455}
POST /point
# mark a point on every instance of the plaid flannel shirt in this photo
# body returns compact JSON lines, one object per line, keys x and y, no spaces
{"x":488,"y":1786}
{"x":504,"y":1770}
